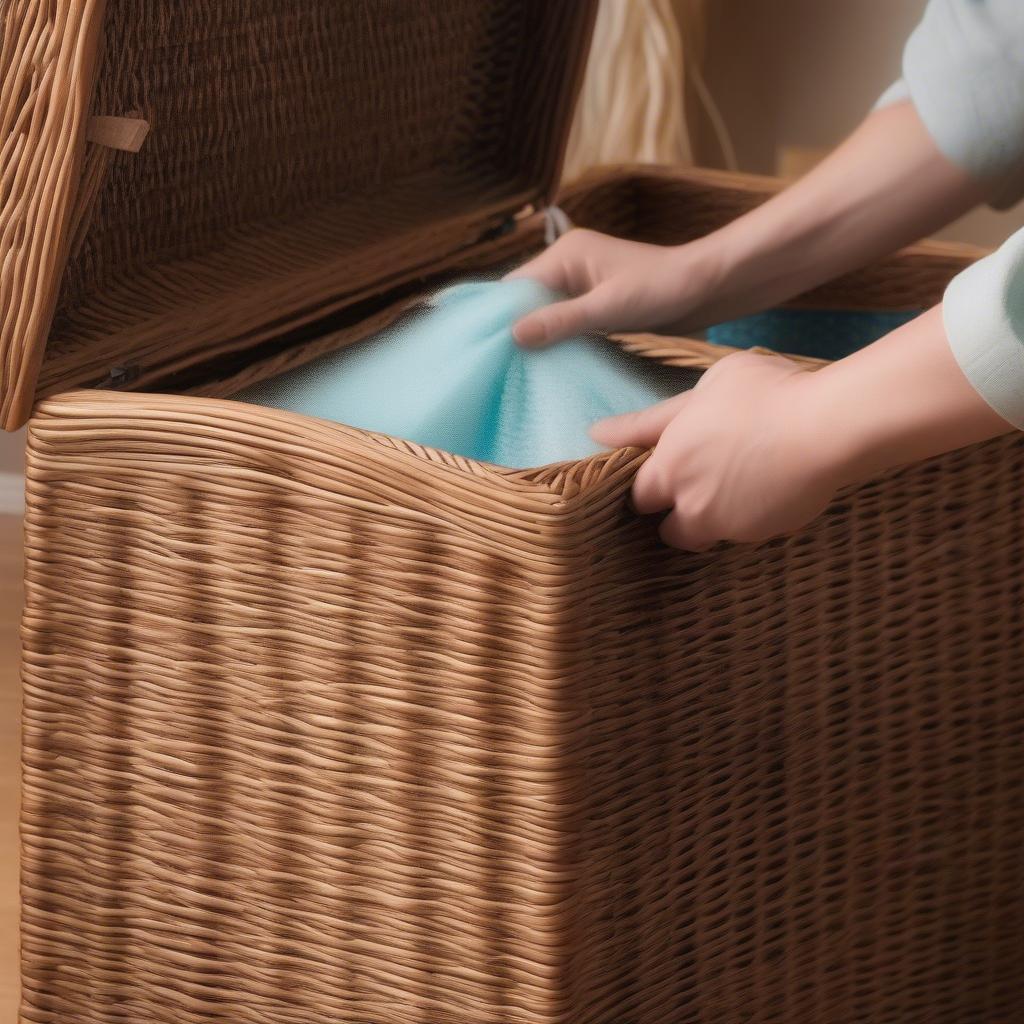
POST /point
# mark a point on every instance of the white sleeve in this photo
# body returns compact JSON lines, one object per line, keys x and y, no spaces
{"x":983,"y":311}
{"x":963,"y":67}
{"x":896,"y":93}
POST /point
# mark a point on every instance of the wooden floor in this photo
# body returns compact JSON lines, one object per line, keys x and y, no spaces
{"x":10,"y":700}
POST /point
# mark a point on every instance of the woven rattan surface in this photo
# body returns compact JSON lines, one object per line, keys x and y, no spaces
{"x":323,"y":726}
{"x":320,"y":726}
{"x":300,"y":151}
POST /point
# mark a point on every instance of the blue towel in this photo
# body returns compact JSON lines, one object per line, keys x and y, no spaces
{"x":452,"y":377}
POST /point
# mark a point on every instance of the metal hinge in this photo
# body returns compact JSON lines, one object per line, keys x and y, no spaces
{"x":506,"y":227}
{"x":556,"y":224}
{"x":121,"y":376}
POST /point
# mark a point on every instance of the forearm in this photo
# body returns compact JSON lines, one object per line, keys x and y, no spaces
{"x":900,"y":400}
{"x":886,"y":186}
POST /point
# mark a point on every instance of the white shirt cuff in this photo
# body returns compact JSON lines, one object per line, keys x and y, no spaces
{"x":983,"y":312}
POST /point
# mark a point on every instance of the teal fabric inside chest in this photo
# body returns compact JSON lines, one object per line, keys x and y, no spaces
{"x":820,"y":333}
{"x":452,"y":376}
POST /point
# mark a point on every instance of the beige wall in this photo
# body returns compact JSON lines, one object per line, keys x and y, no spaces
{"x":802,"y":73}
{"x":11,"y":452}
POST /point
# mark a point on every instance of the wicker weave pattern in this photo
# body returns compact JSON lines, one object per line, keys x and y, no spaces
{"x":47,"y":63}
{"x":618,"y":200}
{"x":667,"y":206}
{"x":322,"y":726}
{"x":760,"y":785}
{"x":346,"y":784}
{"x":301,"y":152}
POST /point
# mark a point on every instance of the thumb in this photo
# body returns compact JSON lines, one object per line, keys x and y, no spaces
{"x":557,"y":322}
{"x":638,"y":429}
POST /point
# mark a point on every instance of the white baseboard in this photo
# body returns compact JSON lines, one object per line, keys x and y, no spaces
{"x":12,"y":494}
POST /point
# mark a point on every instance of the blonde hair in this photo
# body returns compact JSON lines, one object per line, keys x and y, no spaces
{"x":632,"y":106}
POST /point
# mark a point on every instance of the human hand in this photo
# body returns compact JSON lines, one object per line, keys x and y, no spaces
{"x":759,"y":447}
{"x":887,"y":185}
{"x":741,"y":457}
{"x":617,"y":285}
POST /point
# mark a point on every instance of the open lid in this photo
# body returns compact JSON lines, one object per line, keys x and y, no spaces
{"x":301,"y":156}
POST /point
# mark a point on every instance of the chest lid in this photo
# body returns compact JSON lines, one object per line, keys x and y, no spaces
{"x":301,"y":156}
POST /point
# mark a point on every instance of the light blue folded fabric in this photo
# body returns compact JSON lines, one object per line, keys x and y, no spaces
{"x":452,"y":377}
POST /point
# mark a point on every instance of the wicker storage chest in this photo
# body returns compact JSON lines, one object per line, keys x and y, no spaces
{"x":322,"y":726}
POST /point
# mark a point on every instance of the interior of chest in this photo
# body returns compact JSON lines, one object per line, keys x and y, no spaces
{"x":316,"y":169}
{"x":304,"y":158}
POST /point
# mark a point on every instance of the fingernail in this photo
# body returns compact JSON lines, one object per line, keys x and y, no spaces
{"x":528,"y":334}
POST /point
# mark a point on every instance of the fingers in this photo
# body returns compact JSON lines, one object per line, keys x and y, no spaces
{"x":550,"y":269}
{"x":686,"y":534}
{"x":561,"y":269}
{"x":652,"y":489}
{"x":653,"y":492}
{"x":640,"y":429}
{"x":558,"y":321}
{"x":686,"y":525}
